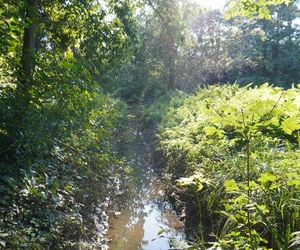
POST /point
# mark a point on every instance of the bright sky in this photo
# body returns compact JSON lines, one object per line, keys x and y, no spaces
{"x":213,"y":4}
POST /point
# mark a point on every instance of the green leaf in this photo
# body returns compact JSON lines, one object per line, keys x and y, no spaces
{"x":231,"y":185}
{"x":161,"y":231}
{"x":199,"y":186}
{"x":210,"y":130}
{"x":293,"y":183}
{"x":290,"y":124}
{"x":227,"y":207}
{"x":185,"y":181}
{"x":69,"y":188}
{"x":263,"y":209}
{"x":266,"y":179}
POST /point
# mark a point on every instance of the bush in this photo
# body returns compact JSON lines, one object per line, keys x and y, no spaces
{"x":240,"y":148}
{"x":59,"y":163}
{"x":154,"y":112}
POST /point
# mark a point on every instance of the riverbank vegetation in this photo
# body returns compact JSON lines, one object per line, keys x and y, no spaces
{"x":236,"y":153}
{"x":69,"y":70}
{"x":58,"y":125}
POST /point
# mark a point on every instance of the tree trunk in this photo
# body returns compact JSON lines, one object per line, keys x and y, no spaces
{"x":172,"y":72}
{"x":172,"y":58}
{"x":26,"y":62}
{"x":27,"y":59}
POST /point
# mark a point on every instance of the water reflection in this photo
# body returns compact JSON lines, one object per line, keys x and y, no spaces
{"x":145,"y":212}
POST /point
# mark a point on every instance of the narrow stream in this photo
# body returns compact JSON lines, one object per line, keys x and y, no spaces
{"x":146,"y":219}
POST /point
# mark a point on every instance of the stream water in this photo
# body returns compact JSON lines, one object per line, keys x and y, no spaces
{"x":145,"y":219}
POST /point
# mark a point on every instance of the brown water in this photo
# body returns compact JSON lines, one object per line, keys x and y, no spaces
{"x":145,"y":219}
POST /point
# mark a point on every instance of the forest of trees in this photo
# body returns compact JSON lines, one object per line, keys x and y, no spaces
{"x":219,"y":88}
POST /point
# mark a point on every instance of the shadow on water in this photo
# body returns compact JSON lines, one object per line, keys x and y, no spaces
{"x":145,"y":219}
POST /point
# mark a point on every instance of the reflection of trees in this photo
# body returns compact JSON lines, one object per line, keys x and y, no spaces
{"x":171,"y":221}
{"x":128,"y":228}
{"x":168,"y":218}
{"x":142,"y":189}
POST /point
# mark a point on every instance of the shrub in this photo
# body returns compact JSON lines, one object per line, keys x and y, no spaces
{"x":240,"y":147}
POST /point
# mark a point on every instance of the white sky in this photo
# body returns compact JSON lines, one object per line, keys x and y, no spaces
{"x":213,"y":4}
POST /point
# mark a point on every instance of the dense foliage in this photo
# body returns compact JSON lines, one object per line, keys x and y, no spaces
{"x":58,"y":156}
{"x":52,"y":188}
{"x":239,"y":148}
{"x":70,"y":68}
{"x":182,"y":46}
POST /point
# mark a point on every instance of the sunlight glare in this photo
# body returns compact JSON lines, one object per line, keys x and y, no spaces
{"x":213,"y":4}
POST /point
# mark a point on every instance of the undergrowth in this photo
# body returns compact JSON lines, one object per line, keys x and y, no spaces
{"x":234,"y":152}
{"x":60,"y":169}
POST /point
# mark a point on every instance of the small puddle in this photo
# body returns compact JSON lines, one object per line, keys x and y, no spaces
{"x":145,"y":219}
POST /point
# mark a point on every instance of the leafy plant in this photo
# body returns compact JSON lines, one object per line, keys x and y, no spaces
{"x":245,"y":140}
